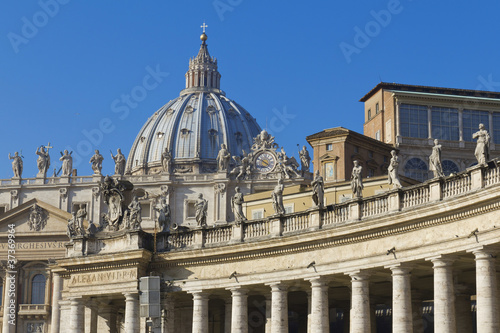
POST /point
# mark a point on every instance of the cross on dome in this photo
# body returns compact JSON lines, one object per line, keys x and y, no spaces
{"x":204,"y":26}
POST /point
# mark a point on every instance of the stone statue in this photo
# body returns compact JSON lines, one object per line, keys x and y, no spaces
{"x":264,"y":141}
{"x":80,"y":216}
{"x":119,"y":162}
{"x":96,"y":161}
{"x":71,"y":232}
{"x":201,"y":207}
{"x":243,"y":167}
{"x":392,"y":170}
{"x":288,"y":165}
{"x":17,"y":165}
{"x":134,"y":214}
{"x":163,"y":209}
{"x":305,"y":160}
{"x":482,"y":151}
{"x":357,"y":180}
{"x":166,"y":159}
{"x":223,"y":158}
{"x":318,"y":190}
{"x":112,"y":191}
{"x":67,"y":163}
{"x":237,"y":205}
{"x":277,"y":197}
{"x":435,"y":160}
{"x":43,"y":161}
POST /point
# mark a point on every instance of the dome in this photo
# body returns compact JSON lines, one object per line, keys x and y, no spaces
{"x":193,"y":126}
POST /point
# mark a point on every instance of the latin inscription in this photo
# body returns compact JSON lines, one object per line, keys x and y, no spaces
{"x":35,"y":245}
{"x":103,"y":277}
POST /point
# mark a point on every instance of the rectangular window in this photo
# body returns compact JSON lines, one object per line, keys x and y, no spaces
{"x":345,"y":197}
{"x":377,"y":135}
{"x":445,"y":123}
{"x":377,"y":110}
{"x":76,"y":207}
{"x":369,"y":114}
{"x":288,"y":208}
{"x":329,"y":174}
{"x":413,"y":121}
{"x":257,"y":214}
{"x":191,"y":210}
{"x":3,"y":209}
{"x":329,"y":146}
{"x":471,"y":120}
{"x":496,"y":127}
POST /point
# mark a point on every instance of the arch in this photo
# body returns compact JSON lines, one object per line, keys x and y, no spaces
{"x":449,"y":167}
{"x":38,"y":289}
{"x":416,"y":168}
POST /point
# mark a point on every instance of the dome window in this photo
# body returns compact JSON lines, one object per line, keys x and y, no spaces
{"x":170,"y":111}
{"x":209,"y":96}
{"x":189,"y":109}
{"x":213,"y":132}
{"x":185,"y":131}
{"x":211,"y":109}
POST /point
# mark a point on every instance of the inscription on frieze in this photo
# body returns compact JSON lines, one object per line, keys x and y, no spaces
{"x":84,"y":279}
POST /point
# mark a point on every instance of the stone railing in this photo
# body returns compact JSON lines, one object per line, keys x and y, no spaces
{"x":33,"y":309}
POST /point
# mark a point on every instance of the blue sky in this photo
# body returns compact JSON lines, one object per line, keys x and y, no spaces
{"x":298,"y":66}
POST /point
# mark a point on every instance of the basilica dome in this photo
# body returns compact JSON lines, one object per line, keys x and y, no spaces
{"x":193,"y":126}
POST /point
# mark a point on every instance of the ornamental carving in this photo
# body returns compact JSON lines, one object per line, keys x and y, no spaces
{"x":113,"y":195}
{"x":37,"y":219}
{"x":220,"y":188}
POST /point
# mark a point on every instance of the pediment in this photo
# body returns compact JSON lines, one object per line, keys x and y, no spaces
{"x":328,"y":157}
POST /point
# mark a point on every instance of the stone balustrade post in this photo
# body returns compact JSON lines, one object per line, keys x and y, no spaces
{"x":355,"y":210}
{"x":435,"y":190}
{"x":238,"y":233}
{"x":444,"y":295}
{"x":200,"y":312}
{"x":315,"y":218}
{"x":476,"y":177}
{"x":394,"y":201}
{"x":276,"y":226}
{"x":198,"y":238}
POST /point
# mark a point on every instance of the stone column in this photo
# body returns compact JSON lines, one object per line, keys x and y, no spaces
{"x":9,"y":286}
{"x":55,"y":320}
{"x":360,"y":303}
{"x":401,"y":300}
{"x":239,"y":311}
{"x":309,"y":310}
{"x":76,"y":320}
{"x":227,"y":315}
{"x":444,"y":296}
{"x":279,"y":308}
{"x":486,"y":292}
{"x":268,"y":313}
{"x":200,"y":312}
{"x":169,"y":322}
{"x":106,"y":322}
{"x":131,"y":312}
{"x":319,"y":306}
{"x":90,"y":314}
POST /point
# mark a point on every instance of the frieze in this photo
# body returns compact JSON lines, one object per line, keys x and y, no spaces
{"x":99,"y":278}
{"x":35,"y":245}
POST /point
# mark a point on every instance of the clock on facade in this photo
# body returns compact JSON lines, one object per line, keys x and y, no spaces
{"x":265,"y":162}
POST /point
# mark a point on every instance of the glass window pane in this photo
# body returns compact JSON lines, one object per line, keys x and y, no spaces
{"x":471,"y":120}
{"x":445,"y":123}
{"x":38,"y":289}
{"x":413,"y":121}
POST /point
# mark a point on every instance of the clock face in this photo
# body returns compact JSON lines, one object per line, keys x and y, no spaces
{"x":265,"y":162}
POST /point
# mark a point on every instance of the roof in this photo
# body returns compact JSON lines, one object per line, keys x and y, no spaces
{"x":427,"y":89}
{"x":341,"y":131}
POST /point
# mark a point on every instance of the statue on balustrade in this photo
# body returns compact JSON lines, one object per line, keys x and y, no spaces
{"x":43,"y":161}
{"x":163,"y":209}
{"x":166,"y":159}
{"x":80,"y":216}
{"x":482,"y":151}
{"x":357,"y":180}
{"x":392,"y":170}
{"x":96,"y":161}
{"x":134,"y":214}
{"x":237,"y":205}
{"x":223,"y":158}
{"x":277,"y":197}
{"x":120,"y":161}
{"x":435,"y":160}
{"x":17,"y":165}
{"x":305,"y":160}
{"x":67,"y":163}
{"x":318,"y":190}
{"x":201,"y":207}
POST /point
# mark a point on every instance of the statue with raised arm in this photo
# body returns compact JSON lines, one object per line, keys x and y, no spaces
{"x":120,"y":161}
{"x":96,"y":161}
{"x":17,"y":165}
{"x":305,"y":160}
{"x":435,"y":160}
{"x":482,"y":151}
{"x":277,"y":197}
{"x":357,"y":180}
{"x":67,"y":163}
{"x":134,"y":217}
{"x":237,"y":205}
{"x":393,"y":175}
{"x":201,"y":207}
{"x":223,"y":158}
{"x":43,"y":161}
{"x":166,"y":159}
{"x":318,"y":190}
{"x":163,"y":209}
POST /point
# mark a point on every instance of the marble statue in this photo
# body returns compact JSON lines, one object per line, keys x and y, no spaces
{"x":96,"y":161}
{"x":67,"y":163}
{"x":318,"y":190}
{"x":393,"y":175}
{"x":482,"y":151}
{"x":43,"y":161}
{"x":166,"y":159}
{"x":305,"y":160}
{"x":264,"y":141}
{"x":237,"y":205}
{"x":134,"y":216}
{"x":435,"y":160}
{"x":80,"y":216}
{"x":289,"y":165}
{"x":201,"y":207}
{"x":120,"y":161}
{"x":223,"y":158}
{"x":17,"y":165}
{"x":112,"y":191}
{"x":357,"y":180}
{"x":243,"y":167}
{"x":71,"y":231}
{"x":277,"y":197}
{"x":163,"y":209}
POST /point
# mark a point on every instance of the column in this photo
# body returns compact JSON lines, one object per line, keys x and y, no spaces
{"x":309,"y":314}
{"x":239,"y":311}
{"x":461,"y":124}
{"x":55,"y":320}
{"x":319,"y":306}
{"x":279,"y":308}
{"x":429,"y":120}
{"x":444,"y":296}
{"x":200,"y":312}
{"x":90,"y":315}
{"x":9,"y":286}
{"x":227,"y":315}
{"x":268,"y":313}
{"x":106,"y":322}
{"x":131,"y":312}
{"x":490,"y":128}
{"x":360,"y":303}
{"x":76,"y":317}
{"x":169,"y":318}
{"x":401,"y":299}
{"x":486,"y":292}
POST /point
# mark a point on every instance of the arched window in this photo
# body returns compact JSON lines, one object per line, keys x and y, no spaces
{"x":416,"y":168}
{"x":38,"y":289}
{"x":449,"y":167}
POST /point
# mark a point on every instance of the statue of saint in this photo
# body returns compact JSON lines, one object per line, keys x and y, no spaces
{"x":201,"y":207}
{"x":17,"y":165}
{"x":166,"y":159}
{"x":357,"y":180}
{"x":43,"y":161}
{"x":135,"y":209}
{"x":163,"y":209}
{"x":223,"y":158}
{"x":119,"y":162}
{"x":393,"y":170}
{"x":482,"y":151}
{"x":277,"y":197}
{"x":80,"y":216}
{"x":237,"y":205}
{"x":318,"y":190}
{"x":71,"y":231}
{"x":67,"y":163}
{"x":305,"y":160}
{"x":435,"y":160}
{"x":96,"y":161}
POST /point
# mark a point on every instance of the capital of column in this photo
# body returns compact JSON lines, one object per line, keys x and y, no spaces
{"x":400,"y":269}
{"x":238,"y":291}
{"x":130,"y":297}
{"x":442,"y":261}
{"x":317,"y":282}
{"x":484,"y":253}
{"x":278,"y":286}
{"x":359,"y":276}
{"x":199,"y":294}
